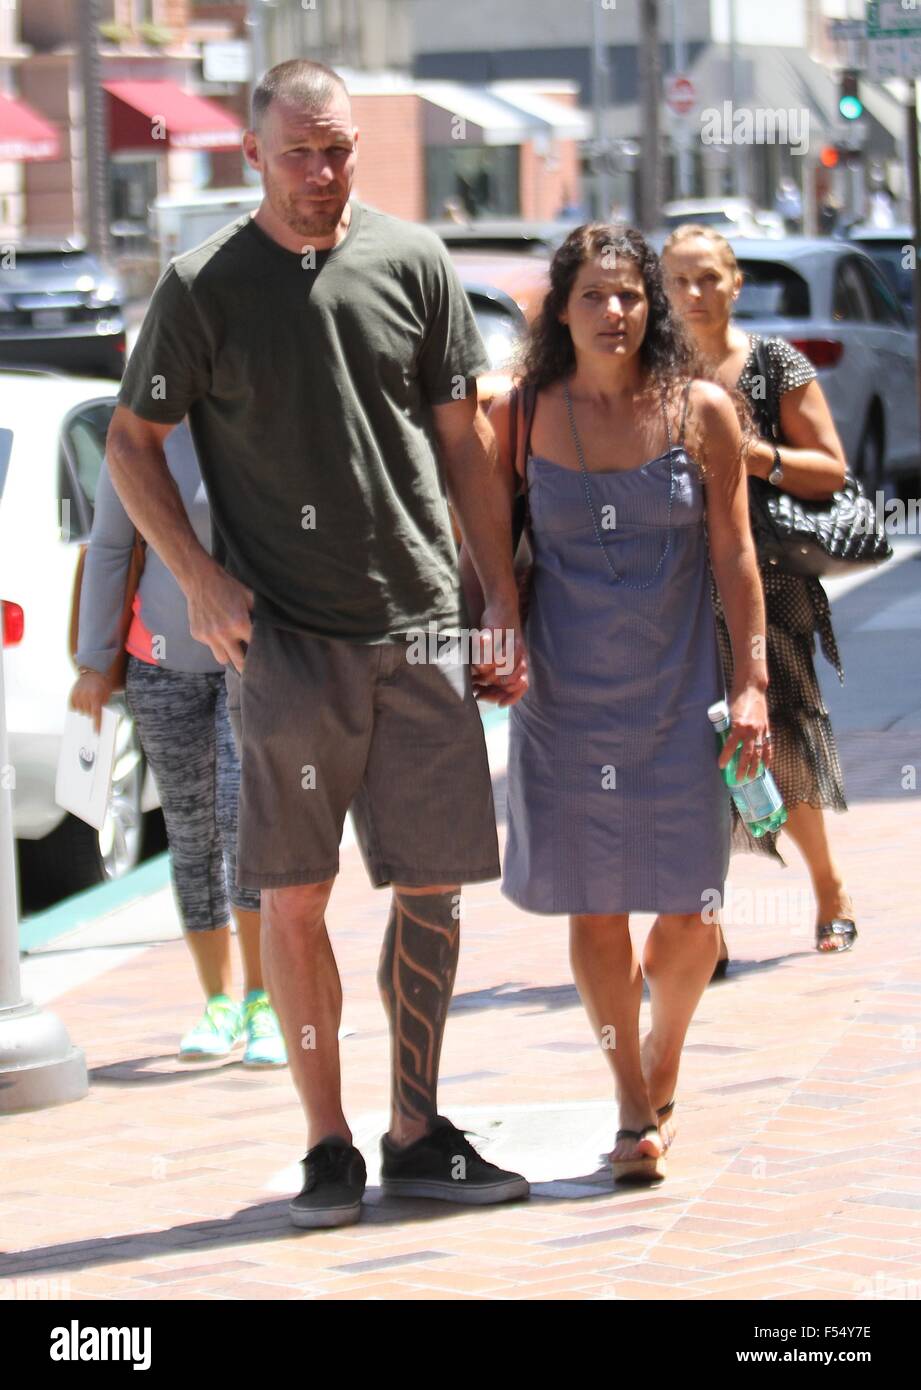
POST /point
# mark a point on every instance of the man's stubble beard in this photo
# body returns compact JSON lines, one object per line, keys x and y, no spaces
{"x":321,"y":223}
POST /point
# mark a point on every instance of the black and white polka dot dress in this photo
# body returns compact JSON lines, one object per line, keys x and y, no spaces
{"x":806,"y":765}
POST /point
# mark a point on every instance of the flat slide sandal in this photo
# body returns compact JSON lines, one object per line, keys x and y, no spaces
{"x":665,"y":1112}
{"x":646,"y":1168}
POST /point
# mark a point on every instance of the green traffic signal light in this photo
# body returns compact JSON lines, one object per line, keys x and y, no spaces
{"x":851,"y":108}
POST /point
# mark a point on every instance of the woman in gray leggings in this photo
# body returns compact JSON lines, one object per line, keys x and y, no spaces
{"x":176,"y":694}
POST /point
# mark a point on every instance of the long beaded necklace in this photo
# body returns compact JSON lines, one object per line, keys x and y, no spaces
{"x":591,"y":506}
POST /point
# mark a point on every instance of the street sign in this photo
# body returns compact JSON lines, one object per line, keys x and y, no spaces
{"x":893,"y":39}
{"x":680,"y":94}
{"x":850,"y":135}
{"x":848,"y":30}
{"x":226,"y":62}
{"x":893,"y":18}
{"x":894,"y":57}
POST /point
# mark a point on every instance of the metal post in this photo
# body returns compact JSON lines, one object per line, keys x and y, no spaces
{"x":738,"y":151}
{"x":95,"y":144}
{"x":685,"y":164}
{"x":39,"y":1066}
{"x":255,"y":23}
{"x":650,"y":101}
{"x":914,"y":181}
{"x":599,"y":107}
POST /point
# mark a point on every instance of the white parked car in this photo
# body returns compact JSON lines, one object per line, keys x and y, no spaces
{"x":59,"y":427}
{"x":730,"y":216}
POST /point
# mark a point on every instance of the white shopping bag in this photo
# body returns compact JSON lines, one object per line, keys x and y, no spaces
{"x":85,"y":764}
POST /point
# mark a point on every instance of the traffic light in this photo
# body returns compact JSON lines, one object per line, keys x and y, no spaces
{"x":849,"y":103}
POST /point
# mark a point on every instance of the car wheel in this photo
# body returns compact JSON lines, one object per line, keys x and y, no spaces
{"x":122,"y":832}
{"x":870,"y":455}
{"x":75,"y":855}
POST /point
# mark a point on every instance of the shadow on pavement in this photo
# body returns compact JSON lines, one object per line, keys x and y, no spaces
{"x":550,"y":998}
{"x":270,"y":1221}
{"x":133,"y":1069}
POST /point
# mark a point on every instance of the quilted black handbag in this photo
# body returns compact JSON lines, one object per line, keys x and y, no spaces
{"x":818,"y":538}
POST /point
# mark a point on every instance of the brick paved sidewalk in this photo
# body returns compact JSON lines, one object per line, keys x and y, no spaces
{"x":796,"y":1172}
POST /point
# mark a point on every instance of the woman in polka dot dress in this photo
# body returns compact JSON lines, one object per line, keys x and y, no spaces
{"x":704,"y":283}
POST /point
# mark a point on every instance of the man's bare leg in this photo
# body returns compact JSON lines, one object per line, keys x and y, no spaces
{"x":303,"y":984}
{"x":416,"y":979}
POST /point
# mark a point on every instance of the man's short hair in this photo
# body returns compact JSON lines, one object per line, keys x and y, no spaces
{"x":300,"y":82}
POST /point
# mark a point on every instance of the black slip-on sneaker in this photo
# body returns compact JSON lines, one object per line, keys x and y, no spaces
{"x":334,"y":1183}
{"x":444,"y":1165}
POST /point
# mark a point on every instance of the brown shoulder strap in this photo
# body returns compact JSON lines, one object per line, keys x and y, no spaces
{"x":73,"y":640}
{"x":527,"y":405}
{"x":684,"y":413}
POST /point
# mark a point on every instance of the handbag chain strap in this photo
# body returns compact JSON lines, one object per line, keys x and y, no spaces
{"x":591,"y":506}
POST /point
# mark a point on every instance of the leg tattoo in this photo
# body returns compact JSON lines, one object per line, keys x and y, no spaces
{"x":416,"y":979}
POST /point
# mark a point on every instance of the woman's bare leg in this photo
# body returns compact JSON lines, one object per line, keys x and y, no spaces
{"x":678,"y":962}
{"x":249,"y":940}
{"x":211,"y":954}
{"x":808,"y":831}
{"x":610,"y":983}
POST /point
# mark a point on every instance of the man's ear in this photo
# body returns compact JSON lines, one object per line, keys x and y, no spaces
{"x":251,"y":149}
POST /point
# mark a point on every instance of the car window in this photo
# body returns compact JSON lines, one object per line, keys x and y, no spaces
{"x":890,"y":260}
{"x":851,"y":300}
{"x":83,"y":446}
{"x":501,"y":331}
{"x":771,"y":290}
{"x":883,"y":305}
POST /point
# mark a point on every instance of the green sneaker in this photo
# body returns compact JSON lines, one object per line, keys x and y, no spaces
{"x":265,"y":1046}
{"x":216,"y":1033}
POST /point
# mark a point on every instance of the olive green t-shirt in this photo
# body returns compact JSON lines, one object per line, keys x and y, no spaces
{"x":308,"y":381}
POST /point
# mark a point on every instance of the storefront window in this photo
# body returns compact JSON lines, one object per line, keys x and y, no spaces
{"x":133,"y":185}
{"x":482,"y":182}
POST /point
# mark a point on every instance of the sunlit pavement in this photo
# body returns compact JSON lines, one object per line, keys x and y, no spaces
{"x":795,"y":1173}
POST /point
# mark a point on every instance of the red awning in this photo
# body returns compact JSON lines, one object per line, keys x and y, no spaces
{"x":157,"y":115}
{"x":24,"y":134}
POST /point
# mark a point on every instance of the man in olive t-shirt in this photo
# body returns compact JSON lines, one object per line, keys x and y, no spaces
{"x":325,"y":356}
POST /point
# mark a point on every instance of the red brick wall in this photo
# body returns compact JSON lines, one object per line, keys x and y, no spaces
{"x":543,"y":188}
{"x":50,"y":206}
{"x":173,"y":14}
{"x":391,"y":161}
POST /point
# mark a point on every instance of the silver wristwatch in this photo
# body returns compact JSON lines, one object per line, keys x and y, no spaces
{"x":776,"y":474}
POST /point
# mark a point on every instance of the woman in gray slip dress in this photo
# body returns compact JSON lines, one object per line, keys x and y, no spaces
{"x":616,"y":803}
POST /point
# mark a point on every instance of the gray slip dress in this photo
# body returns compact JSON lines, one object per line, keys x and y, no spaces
{"x":615,"y":800}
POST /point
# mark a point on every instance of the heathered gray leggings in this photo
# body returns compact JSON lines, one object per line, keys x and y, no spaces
{"x":182,"y":722}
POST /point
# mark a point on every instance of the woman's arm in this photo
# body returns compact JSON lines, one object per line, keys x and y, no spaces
{"x":718,"y":440}
{"x":102,"y":599}
{"x":813,"y":456}
{"x":105,"y":574}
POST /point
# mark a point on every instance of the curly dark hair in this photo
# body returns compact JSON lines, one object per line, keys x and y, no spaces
{"x":548,"y":354}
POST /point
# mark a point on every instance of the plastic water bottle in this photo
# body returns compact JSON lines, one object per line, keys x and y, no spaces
{"x":757,"y":799}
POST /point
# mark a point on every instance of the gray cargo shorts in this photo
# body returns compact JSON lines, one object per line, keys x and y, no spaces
{"x":323,"y":726}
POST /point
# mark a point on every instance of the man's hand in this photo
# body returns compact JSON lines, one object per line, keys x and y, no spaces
{"x":501,"y":677}
{"x":219,"y":613}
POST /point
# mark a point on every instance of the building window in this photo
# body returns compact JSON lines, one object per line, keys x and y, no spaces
{"x":481,"y":182}
{"x":133,"y":187}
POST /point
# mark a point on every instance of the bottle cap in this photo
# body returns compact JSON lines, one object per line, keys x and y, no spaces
{"x":718,"y":714}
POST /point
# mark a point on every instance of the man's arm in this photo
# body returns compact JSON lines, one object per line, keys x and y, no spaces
{"x":482,"y":503}
{"x":219,"y":605}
